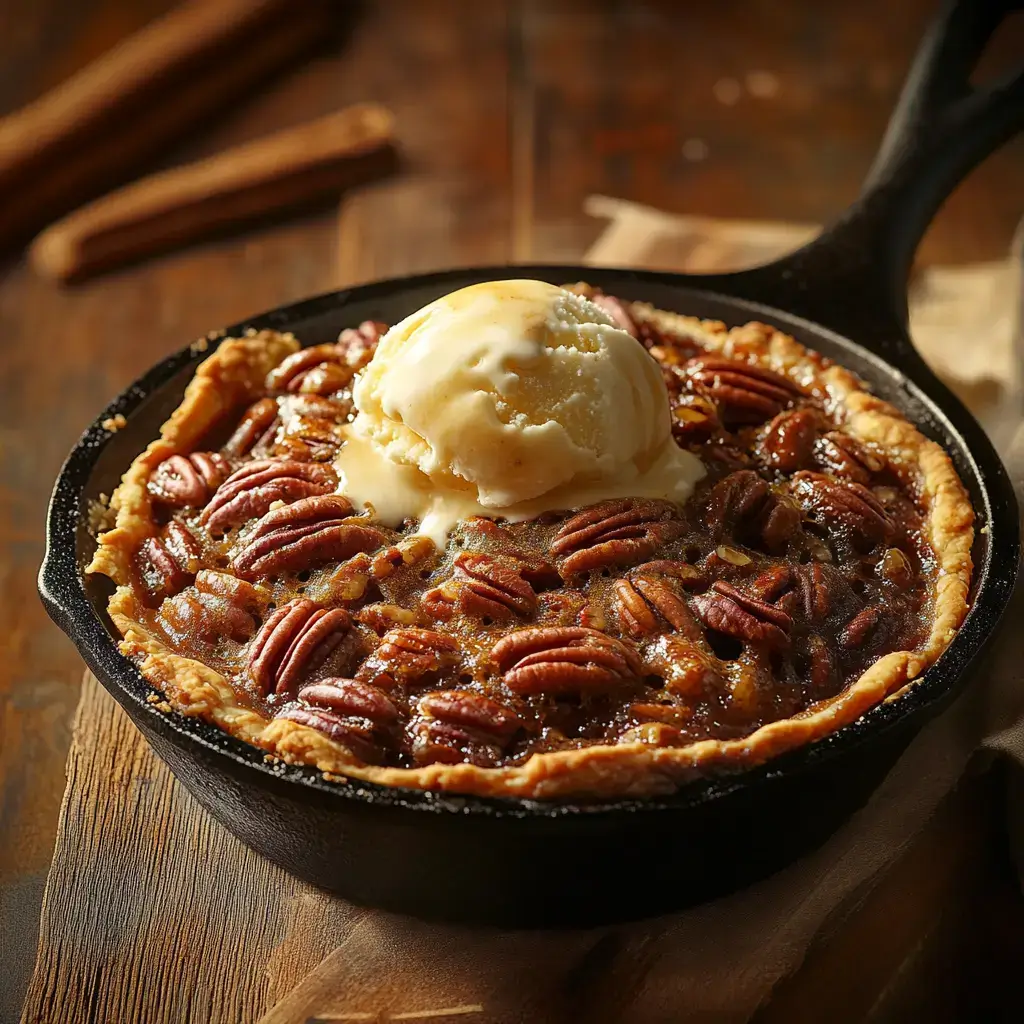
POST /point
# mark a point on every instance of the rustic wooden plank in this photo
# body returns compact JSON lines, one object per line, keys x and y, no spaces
{"x":153,"y":912}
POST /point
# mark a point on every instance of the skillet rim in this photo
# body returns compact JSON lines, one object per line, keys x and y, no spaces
{"x":62,"y":588}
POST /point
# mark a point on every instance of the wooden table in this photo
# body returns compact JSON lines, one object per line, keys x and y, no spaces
{"x":510,"y":113}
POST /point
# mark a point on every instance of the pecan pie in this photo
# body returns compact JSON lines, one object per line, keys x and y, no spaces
{"x":820,"y":564}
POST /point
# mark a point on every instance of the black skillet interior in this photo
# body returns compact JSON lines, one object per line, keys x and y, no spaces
{"x":848,"y":284}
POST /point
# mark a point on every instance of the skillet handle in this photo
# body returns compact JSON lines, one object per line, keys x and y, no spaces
{"x":853,"y":277}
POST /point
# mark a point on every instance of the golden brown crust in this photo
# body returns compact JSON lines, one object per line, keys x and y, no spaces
{"x":235,"y":372}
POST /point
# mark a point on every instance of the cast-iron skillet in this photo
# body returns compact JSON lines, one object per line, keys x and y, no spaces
{"x":493,"y":861}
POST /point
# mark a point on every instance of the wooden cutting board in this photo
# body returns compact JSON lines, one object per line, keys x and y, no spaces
{"x":154,"y":913}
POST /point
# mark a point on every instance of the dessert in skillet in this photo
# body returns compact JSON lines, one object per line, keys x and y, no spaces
{"x":534,"y":542}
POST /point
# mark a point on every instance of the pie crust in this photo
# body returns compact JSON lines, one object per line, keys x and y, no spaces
{"x":234,"y":375}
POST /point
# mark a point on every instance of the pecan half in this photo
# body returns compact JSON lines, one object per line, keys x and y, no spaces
{"x":354,"y":714}
{"x":294,"y":641}
{"x":687,"y":670}
{"x":239,"y":592}
{"x":410,"y":656}
{"x":652,"y":734}
{"x":729,"y":610}
{"x":846,"y":503}
{"x":250,"y":491}
{"x":694,"y":419}
{"x":206,"y":617}
{"x":168,"y":564}
{"x":381,"y":617}
{"x":351,"y":697}
{"x":860,"y":627}
{"x":820,"y":668}
{"x":820,"y":588}
{"x":687,"y":575}
{"x":564,"y":659}
{"x":619,"y":532}
{"x":259,"y":421}
{"x":780,"y":522}
{"x":842,"y":455}
{"x":484,"y":587}
{"x":414,"y":550}
{"x":743,"y":392}
{"x":315,"y":370}
{"x":736,"y":500}
{"x":895,"y":567}
{"x":645,"y":603}
{"x":312,"y":427}
{"x":357,"y":345}
{"x":221,"y":605}
{"x":187,"y":481}
{"x":787,"y":443}
{"x":479,"y":534}
{"x":306,"y":533}
{"x":454,"y":726}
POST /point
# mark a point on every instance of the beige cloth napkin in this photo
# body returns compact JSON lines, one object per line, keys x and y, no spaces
{"x":718,"y":962}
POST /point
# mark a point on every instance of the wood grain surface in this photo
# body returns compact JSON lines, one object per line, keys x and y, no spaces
{"x":509,"y":114}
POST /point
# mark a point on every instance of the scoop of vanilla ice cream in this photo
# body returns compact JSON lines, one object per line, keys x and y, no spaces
{"x":512,"y":388}
{"x":510,"y":398}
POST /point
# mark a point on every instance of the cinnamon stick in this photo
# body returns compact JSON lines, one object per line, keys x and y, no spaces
{"x":92,"y":131}
{"x":178,"y":206}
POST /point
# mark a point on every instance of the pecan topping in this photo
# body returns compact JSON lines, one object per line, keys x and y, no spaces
{"x":381,"y":617}
{"x":454,"y":726}
{"x":410,"y":551}
{"x":686,"y":669}
{"x":820,"y":668}
{"x":644,"y":603}
{"x":744,"y":393}
{"x":250,"y":491}
{"x":849,"y":504}
{"x":486,"y":535}
{"x":167,"y":564}
{"x":860,"y":627}
{"x":312,"y":427}
{"x":258,"y":422}
{"x":306,"y":533}
{"x":729,"y":610}
{"x":221,"y":605}
{"x":563,"y":659}
{"x":818,"y":585}
{"x":780,"y":522}
{"x":485,"y":587}
{"x":187,"y":481}
{"x":294,"y":641}
{"x":653,"y":734}
{"x":206,"y":617}
{"x":788,"y":441}
{"x":315,"y":370}
{"x":352,"y":698}
{"x":355,"y":715}
{"x":239,"y":592}
{"x":896,"y":568}
{"x":410,"y":656}
{"x":694,"y":419}
{"x":617,"y":532}
{"x":687,"y":574}
{"x":735,"y":500}
{"x":842,"y":455}
{"x":356,"y":345}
